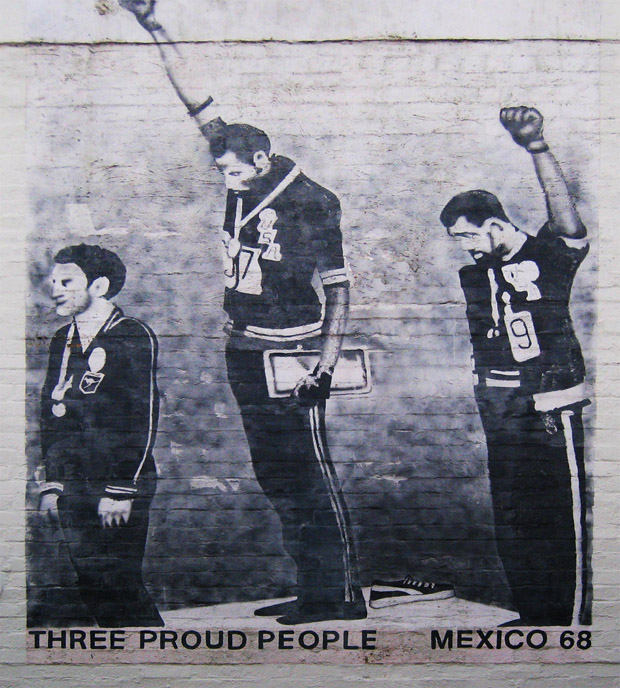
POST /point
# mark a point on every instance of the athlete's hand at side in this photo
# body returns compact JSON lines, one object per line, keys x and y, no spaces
{"x":313,"y":387}
{"x":525,"y":125}
{"x":48,"y":506}
{"x":114,"y":512}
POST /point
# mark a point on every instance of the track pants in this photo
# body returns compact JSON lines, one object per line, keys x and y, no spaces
{"x":108,"y":561}
{"x":288,"y":446}
{"x":538,"y":486}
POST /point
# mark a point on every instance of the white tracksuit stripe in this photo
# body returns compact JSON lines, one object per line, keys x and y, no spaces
{"x":577,"y":507}
{"x":150,"y":438}
{"x":333,"y":494}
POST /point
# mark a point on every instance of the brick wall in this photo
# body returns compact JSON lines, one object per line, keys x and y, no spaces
{"x":395,"y":129}
{"x":395,"y":132}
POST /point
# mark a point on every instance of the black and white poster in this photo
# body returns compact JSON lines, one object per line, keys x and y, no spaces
{"x":310,"y":345}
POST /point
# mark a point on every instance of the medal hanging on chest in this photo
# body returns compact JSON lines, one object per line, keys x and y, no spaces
{"x":233,"y":248}
{"x":59,"y":410}
{"x":58,"y":393}
{"x":242,"y":269}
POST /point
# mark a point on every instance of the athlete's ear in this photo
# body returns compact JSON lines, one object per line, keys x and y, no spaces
{"x":261,"y":160}
{"x":99,"y":287}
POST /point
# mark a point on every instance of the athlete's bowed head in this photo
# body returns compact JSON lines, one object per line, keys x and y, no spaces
{"x":241,"y":153}
{"x":478,"y":221}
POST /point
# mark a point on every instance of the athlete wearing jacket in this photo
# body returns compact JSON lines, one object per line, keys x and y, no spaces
{"x":99,"y":411}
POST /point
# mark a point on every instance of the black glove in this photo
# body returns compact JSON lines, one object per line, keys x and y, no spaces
{"x":143,"y":11}
{"x":525,"y":125}
{"x":313,"y":388}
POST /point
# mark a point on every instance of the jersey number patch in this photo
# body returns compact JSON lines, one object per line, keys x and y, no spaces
{"x":521,"y":332}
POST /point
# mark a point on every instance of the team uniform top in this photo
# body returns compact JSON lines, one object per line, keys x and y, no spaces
{"x":99,"y":408}
{"x":519,"y":319}
{"x":276,"y":237}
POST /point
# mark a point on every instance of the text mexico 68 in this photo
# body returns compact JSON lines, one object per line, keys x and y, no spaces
{"x":513,"y":639}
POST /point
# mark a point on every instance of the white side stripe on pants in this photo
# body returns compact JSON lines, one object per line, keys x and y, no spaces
{"x":333,"y":495}
{"x":577,"y":506}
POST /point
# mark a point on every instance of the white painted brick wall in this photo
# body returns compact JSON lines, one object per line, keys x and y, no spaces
{"x":395,"y":128}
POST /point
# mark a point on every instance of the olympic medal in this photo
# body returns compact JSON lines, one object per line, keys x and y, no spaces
{"x":96,"y":360}
{"x":59,"y":410}
{"x":233,"y":248}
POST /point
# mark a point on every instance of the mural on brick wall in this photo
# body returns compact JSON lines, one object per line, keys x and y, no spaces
{"x":322,"y":464}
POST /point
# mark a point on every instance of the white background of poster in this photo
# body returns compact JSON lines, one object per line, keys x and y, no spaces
{"x":65,"y":22}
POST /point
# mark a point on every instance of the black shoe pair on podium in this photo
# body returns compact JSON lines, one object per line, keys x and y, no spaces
{"x":299,"y":612}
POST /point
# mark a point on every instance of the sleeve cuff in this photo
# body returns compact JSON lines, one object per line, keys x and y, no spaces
{"x":196,"y":110}
{"x":337,"y":276}
{"x":46,"y":487}
{"x":546,"y":233}
{"x":120,"y":492}
{"x":577,"y":244}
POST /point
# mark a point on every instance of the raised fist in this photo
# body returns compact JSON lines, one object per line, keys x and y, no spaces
{"x":525,"y":125}
{"x":142,"y":9}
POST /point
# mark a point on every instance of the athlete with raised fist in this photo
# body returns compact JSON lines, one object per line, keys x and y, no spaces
{"x":281,"y":230}
{"x":529,"y":382}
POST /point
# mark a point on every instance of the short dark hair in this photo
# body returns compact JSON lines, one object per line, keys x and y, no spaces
{"x":95,"y":262}
{"x":241,"y":139}
{"x":475,"y":206}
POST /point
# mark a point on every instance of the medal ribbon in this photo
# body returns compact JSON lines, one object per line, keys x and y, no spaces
{"x":59,"y":391}
{"x":493,"y":332}
{"x":241,"y":223}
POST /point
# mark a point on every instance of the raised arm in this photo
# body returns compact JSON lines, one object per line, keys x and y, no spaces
{"x":525,"y":125}
{"x":198,"y":105}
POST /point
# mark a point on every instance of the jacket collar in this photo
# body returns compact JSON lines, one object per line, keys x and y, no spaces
{"x":89,"y":330}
